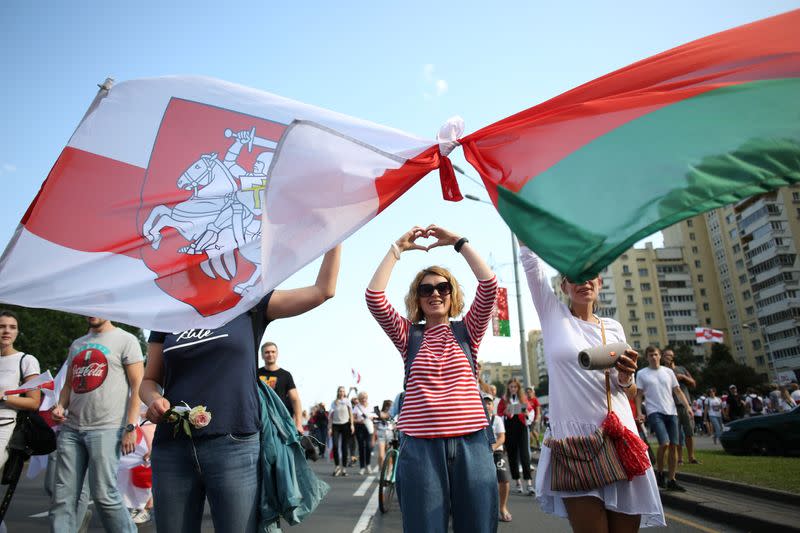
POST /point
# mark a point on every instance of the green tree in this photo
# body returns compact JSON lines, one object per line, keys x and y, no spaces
{"x":543,"y":389}
{"x":722,"y":371}
{"x":47,"y":334}
{"x":720,"y":353}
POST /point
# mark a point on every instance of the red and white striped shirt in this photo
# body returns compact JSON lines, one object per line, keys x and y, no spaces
{"x":442,"y":398}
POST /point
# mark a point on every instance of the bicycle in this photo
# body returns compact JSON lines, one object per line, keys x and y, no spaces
{"x":386,"y":483}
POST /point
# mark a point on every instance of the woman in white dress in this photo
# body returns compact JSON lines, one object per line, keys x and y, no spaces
{"x":578,"y":405}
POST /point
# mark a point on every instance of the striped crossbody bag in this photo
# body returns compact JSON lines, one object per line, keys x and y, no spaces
{"x":585,"y":462}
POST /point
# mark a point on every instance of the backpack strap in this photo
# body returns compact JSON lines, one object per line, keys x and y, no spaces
{"x":415,"y":333}
{"x":20,"y":368}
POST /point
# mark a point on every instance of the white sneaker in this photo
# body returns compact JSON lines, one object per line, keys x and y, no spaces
{"x":143,"y":516}
{"x":361,"y":472}
{"x":519,"y":489}
{"x":370,"y":469}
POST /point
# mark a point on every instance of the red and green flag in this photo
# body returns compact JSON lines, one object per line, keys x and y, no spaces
{"x":500,"y":325}
{"x":582,"y":177}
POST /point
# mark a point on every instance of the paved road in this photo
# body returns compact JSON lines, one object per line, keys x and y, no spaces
{"x":350,"y":507}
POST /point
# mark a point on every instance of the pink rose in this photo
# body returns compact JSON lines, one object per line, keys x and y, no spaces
{"x":199,"y":417}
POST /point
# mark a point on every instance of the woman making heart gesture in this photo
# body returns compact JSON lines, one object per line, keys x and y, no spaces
{"x":445,"y":467}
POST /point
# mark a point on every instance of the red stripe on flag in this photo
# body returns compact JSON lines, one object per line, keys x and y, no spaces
{"x":514,"y":150}
{"x":88,"y":203}
{"x":393,"y":183}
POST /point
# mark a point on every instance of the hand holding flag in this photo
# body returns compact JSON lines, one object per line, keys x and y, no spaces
{"x":43,"y":382}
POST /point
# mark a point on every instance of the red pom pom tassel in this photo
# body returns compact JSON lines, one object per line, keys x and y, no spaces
{"x":631,"y":449}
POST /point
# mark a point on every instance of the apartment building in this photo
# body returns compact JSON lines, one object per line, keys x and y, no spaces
{"x":498,"y":372}
{"x":537,"y":366}
{"x":754,"y":265}
{"x":651,"y":292}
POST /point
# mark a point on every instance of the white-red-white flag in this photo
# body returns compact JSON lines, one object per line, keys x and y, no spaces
{"x":180,"y":201}
{"x":356,"y":376}
{"x":703,"y":335}
{"x":43,"y":382}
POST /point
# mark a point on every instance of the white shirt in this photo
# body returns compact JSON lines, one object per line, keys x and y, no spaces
{"x":10,"y":378}
{"x":796,"y":396}
{"x":498,"y":428}
{"x":698,"y":406}
{"x":714,"y":406}
{"x":657,"y":386}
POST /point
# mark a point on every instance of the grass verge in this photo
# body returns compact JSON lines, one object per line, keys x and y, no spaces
{"x":782,"y":473}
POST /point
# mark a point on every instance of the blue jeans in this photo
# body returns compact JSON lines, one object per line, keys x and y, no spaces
{"x":439,"y":478}
{"x":223,"y":468}
{"x":98,"y":451}
{"x":716,"y":423}
{"x":50,"y":488}
{"x":664,"y":426}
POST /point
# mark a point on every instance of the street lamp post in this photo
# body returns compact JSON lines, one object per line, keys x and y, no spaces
{"x":523,"y":345}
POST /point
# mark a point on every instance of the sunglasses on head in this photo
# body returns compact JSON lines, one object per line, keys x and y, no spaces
{"x":426,"y":289}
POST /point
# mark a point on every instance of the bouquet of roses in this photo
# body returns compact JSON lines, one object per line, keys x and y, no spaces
{"x":185,"y":417}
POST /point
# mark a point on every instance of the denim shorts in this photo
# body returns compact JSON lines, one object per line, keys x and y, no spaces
{"x":664,"y":426}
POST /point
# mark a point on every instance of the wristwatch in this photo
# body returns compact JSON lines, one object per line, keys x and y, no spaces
{"x":129,"y":428}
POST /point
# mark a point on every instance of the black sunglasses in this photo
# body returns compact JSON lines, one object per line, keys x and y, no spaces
{"x":426,"y":289}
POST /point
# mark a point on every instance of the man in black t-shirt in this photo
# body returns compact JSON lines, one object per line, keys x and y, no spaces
{"x":281,"y":382}
{"x":734,"y":408}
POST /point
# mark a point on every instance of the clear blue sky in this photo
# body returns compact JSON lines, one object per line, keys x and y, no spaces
{"x":408,"y":65}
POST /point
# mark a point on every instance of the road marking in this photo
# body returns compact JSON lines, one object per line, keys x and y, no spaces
{"x":690,"y":523}
{"x":364,"y":486}
{"x":369,"y":511}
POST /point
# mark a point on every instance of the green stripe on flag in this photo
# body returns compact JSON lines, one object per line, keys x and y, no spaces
{"x":676,"y":162}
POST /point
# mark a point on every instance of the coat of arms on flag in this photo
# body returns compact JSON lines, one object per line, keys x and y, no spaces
{"x":703,"y":335}
{"x":207,"y":170}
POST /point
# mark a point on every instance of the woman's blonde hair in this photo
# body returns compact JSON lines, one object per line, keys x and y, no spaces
{"x":413,"y":309}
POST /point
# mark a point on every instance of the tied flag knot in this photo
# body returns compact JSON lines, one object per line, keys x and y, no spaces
{"x":448,"y":137}
{"x":631,"y":449}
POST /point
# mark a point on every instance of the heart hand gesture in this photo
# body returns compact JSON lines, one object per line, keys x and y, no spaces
{"x":443,"y":237}
{"x":408,"y":240}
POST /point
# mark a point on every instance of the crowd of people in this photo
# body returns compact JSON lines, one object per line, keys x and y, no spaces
{"x":189,"y":423}
{"x":711,"y":411}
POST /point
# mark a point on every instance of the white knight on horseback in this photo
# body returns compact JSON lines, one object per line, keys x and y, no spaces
{"x":220,"y":216}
